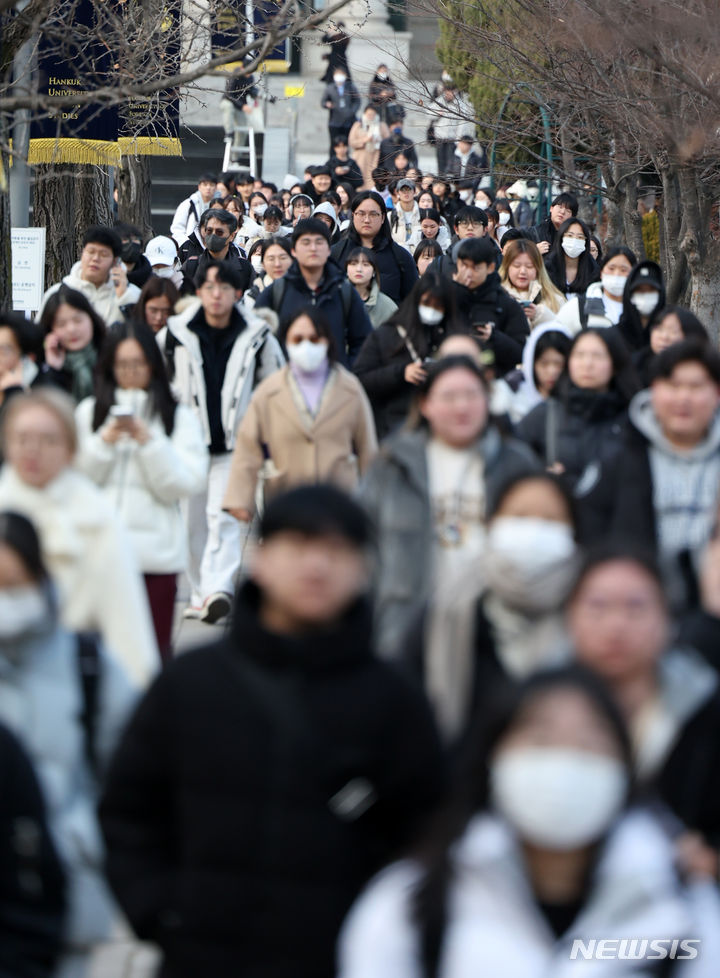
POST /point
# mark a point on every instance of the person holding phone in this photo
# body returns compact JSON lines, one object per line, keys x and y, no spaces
{"x":146,"y":453}
{"x":494,"y":316}
{"x":100,"y":275}
{"x":73,"y":333}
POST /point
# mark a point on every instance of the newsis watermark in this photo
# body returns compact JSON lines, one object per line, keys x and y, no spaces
{"x":634,"y":949}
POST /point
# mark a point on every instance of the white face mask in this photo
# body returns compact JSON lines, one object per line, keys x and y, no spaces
{"x":339,"y":79}
{"x":529,"y":562}
{"x":23,"y":611}
{"x":504,"y":217}
{"x":614,"y":285}
{"x":167,"y":271}
{"x":573,"y":247}
{"x":645,"y":302}
{"x":256,"y":262}
{"x":306,"y":356}
{"x":382,"y":75}
{"x":558,"y":798}
{"x":430,"y":316}
{"x":260,"y":210}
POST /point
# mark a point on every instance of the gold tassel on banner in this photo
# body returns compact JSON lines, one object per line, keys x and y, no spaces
{"x":95,"y":151}
{"x":149,"y":146}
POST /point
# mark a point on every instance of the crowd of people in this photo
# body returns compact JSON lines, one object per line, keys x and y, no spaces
{"x":447,"y":470}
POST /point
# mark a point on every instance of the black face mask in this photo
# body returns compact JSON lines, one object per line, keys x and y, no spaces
{"x":131,"y":252}
{"x":215,"y":242}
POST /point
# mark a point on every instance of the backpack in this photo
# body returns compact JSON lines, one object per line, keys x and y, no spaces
{"x":88,"y":662}
{"x":280,"y":285}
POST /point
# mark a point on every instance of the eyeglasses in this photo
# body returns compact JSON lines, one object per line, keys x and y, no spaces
{"x":369,"y":215}
{"x":470,"y":224}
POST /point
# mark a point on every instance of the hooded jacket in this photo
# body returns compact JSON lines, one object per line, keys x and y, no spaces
{"x":495,"y":926}
{"x":490,"y":303}
{"x":519,"y":402}
{"x":569,"y":315}
{"x":245,"y":834}
{"x":349,"y":333}
{"x":187,"y":217}
{"x":398,"y":271}
{"x":665,"y":499}
{"x":379,"y":307}
{"x":255,"y":354}
{"x":630,"y":325}
{"x":41,"y":700}
{"x":103,"y":298}
{"x":396,"y":494}
{"x":145,"y":483}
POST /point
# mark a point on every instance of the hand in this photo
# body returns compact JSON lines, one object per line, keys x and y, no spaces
{"x":415,"y":373}
{"x":120,"y":280}
{"x":328,"y":105}
{"x":54,"y":352}
{"x":531,"y":312}
{"x":138,"y":430}
{"x":695,"y":857}
{"x":112,"y":431}
{"x":247,"y":109}
{"x":710,"y":578}
{"x":342,"y":169}
{"x":543,"y":247}
{"x":242,"y":515}
{"x":12,"y":377}
{"x":484,"y":331}
{"x":557,"y":468}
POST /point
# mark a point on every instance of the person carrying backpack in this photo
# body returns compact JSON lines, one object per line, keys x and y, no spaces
{"x":313,"y":279}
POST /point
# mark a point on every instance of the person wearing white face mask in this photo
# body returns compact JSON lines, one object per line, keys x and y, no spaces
{"x":146,"y":453}
{"x":539,"y":848}
{"x":570,"y":265}
{"x":393,"y":361}
{"x":503,"y":621}
{"x":342,"y":100}
{"x":310,"y":422}
{"x":643,"y":296}
{"x":45,"y":690}
{"x":602,"y":303}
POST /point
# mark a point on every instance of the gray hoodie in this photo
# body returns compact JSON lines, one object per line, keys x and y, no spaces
{"x":685,"y":484}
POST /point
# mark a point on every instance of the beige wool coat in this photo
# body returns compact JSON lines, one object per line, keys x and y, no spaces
{"x":366,"y":153}
{"x":280,"y":442}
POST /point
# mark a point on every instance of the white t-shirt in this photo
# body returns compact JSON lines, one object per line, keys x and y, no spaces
{"x":457,"y":496}
{"x":613,"y":308}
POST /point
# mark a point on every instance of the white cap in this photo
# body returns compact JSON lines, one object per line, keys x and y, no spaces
{"x":161,"y":251}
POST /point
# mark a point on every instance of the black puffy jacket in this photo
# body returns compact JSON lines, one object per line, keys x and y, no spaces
{"x":261,"y":782}
{"x":490,"y":303}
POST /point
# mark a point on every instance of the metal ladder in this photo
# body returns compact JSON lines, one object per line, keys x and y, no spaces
{"x":240,"y":153}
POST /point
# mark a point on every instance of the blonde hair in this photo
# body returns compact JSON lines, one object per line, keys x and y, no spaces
{"x":549,"y":295}
{"x":55,"y":401}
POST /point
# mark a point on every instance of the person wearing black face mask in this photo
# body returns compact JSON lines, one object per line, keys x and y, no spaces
{"x":217,"y":229}
{"x":138,"y":267}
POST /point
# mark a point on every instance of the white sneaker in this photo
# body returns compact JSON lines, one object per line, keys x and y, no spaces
{"x":192,"y":612}
{"x":217,"y":606}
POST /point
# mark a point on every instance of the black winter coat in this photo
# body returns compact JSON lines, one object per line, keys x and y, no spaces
{"x":398,"y":271}
{"x":349,"y":334}
{"x":261,"y":782}
{"x":476,"y":166}
{"x":630,"y":324}
{"x":589,"y":431}
{"x":354,"y":175}
{"x":32,"y":885}
{"x":197,"y":263}
{"x":491,"y":304}
{"x":380,"y":368}
{"x":140,"y":273}
{"x":391,"y":146}
{"x":544,"y":231}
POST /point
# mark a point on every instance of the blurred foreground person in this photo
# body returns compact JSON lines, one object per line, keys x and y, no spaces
{"x":86,"y":549}
{"x":428,"y":490}
{"x":32,"y":906}
{"x":238,"y":842}
{"x":540,"y":850}
{"x":67,"y":700}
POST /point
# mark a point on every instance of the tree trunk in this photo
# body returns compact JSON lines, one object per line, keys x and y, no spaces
{"x":134,"y":185}
{"x":631,"y":217}
{"x":705,"y":288}
{"x":5,"y":252}
{"x":66,"y":201}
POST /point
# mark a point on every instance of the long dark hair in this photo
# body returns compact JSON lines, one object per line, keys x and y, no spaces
{"x":384,"y":233}
{"x":587,"y":271}
{"x":369,"y":256}
{"x":71,"y":297}
{"x":156,"y":288}
{"x":407,"y":315}
{"x":471,"y":791}
{"x":624,"y":378}
{"x":161,"y":399}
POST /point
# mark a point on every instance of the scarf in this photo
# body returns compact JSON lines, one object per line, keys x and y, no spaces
{"x":81,"y":364}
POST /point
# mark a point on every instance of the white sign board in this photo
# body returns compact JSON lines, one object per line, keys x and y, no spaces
{"x":28,"y":268}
